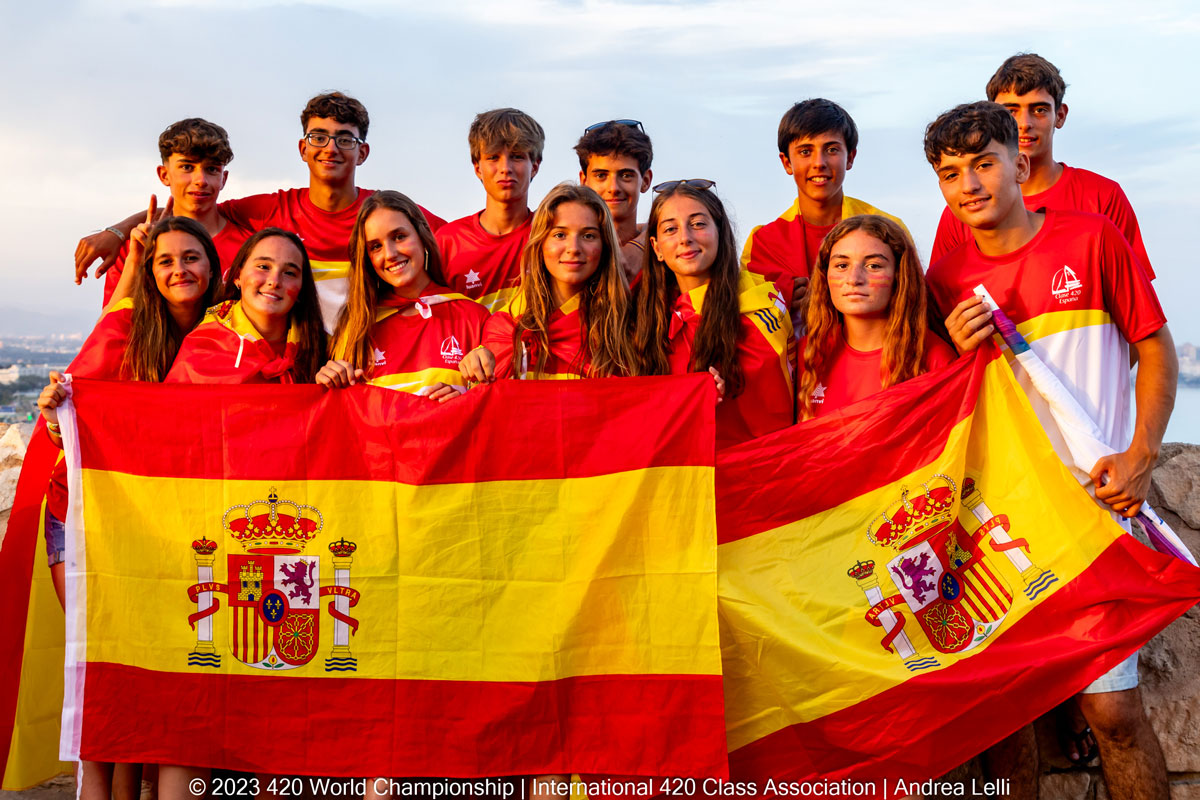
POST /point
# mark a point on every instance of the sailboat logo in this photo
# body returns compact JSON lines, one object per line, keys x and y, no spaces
{"x":1066,"y":284}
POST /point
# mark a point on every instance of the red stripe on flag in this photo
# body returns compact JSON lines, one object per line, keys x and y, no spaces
{"x":940,"y":719}
{"x":413,"y":439}
{"x":664,"y":724}
{"x":756,"y":481}
{"x":981,"y":610}
{"x":996,"y":581}
{"x":16,"y":574}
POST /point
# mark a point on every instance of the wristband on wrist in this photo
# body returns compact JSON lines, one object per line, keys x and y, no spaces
{"x":116,"y":232}
{"x":54,"y":428}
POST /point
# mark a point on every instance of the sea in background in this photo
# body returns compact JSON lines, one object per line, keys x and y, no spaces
{"x":1184,"y":425}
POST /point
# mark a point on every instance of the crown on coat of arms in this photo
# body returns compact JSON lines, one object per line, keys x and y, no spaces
{"x":861,"y":570}
{"x":273,"y":525}
{"x":342,"y":549}
{"x":204,"y":546}
{"x":902,"y":522}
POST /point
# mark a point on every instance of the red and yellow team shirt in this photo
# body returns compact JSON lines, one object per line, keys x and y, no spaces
{"x":484,"y":267}
{"x":1079,"y":297}
{"x":1075,"y":190}
{"x":854,"y":374}
{"x":226,"y":348}
{"x":788,"y":246}
{"x":227,"y":241}
{"x":414,"y":352}
{"x":765,"y":405}
{"x":100,"y":359}
{"x":326,"y":236}
{"x":568,"y":356}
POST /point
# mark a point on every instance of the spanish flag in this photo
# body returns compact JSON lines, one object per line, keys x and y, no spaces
{"x":906,"y":582}
{"x":359,"y":582}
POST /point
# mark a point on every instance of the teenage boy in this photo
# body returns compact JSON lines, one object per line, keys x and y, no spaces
{"x":194,"y":154}
{"x":1072,"y":281}
{"x":333,"y":146}
{"x":1032,"y":89}
{"x":481,"y":253}
{"x":614,"y":161}
{"x":817,"y":144}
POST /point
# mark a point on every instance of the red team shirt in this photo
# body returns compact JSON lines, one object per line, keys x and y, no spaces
{"x":854,"y":374}
{"x":326,"y":236}
{"x":1079,"y":296}
{"x":765,"y":405}
{"x":413,"y":353}
{"x":484,"y":267}
{"x":226,"y":348}
{"x":568,"y":357}
{"x":1075,"y":190}
{"x":228,"y":241}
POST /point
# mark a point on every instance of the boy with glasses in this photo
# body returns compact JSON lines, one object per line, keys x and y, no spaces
{"x":334,"y":145}
{"x":1032,"y":89}
{"x":614,"y":161}
{"x":481,"y":253}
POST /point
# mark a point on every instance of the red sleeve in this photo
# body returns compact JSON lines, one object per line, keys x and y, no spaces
{"x":254,"y":212}
{"x":432,"y":219}
{"x":104,"y":350}
{"x":937,"y":353}
{"x":950,"y":234}
{"x":113,"y":276}
{"x":1128,"y":293}
{"x":497,"y":337}
{"x":1119,"y":210}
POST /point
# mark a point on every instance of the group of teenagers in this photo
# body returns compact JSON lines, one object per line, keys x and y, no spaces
{"x":825,"y":306}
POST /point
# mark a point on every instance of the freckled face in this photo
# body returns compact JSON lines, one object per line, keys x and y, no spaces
{"x":862,"y":272}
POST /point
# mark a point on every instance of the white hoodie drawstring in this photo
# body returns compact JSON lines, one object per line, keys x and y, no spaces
{"x":241,"y":345}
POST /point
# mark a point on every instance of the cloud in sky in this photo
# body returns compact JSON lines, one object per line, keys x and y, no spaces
{"x":93,"y":83}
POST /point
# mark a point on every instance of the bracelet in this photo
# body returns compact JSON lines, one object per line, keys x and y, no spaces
{"x":54,"y":428}
{"x":116,"y":232}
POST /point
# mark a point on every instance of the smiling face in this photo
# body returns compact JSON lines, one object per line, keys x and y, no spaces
{"x":572,"y":249}
{"x":330,"y":164}
{"x":194,"y":183}
{"x":618,"y":182}
{"x":1037,"y":118}
{"x":270,"y":281}
{"x":396,"y":251}
{"x":181,"y":269}
{"x":506,"y":174}
{"x":685,"y":239}
{"x":983,"y":189}
{"x":818,"y":164}
{"x":862,"y":272}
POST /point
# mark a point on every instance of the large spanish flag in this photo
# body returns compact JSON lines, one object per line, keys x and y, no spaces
{"x":907,"y":582}
{"x":362,"y":582}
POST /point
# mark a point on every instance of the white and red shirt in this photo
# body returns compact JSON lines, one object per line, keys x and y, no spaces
{"x":1079,"y":297}
{"x":1075,"y":190}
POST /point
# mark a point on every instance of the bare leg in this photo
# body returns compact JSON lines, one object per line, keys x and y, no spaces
{"x":540,"y":786}
{"x":1015,"y":758}
{"x":127,"y":781}
{"x":173,"y":782}
{"x":58,"y":574}
{"x":377,"y":789}
{"x":1130,"y":755}
{"x":95,"y":780}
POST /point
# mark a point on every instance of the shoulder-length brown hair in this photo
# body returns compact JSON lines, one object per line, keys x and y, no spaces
{"x":351,"y":337}
{"x":305,"y":314}
{"x":720,"y":328}
{"x":154,"y":336}
{"x":603,"y":300}
{"x":904,"y":334}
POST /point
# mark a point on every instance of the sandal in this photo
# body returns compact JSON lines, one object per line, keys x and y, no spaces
{"x":1081,"y":742}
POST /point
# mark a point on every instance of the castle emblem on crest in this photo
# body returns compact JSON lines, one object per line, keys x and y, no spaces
{"x":945,"y":576}
{"x":273,"y":589}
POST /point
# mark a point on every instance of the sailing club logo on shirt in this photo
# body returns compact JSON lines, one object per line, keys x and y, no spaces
{"x":1066,"y":285}
{"x":473,"y":281}
{"x":452,"y":351}
{"x":818,"y":395}
{"x":380,"y":358}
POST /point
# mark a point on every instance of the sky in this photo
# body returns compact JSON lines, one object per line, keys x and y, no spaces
{"x":88,"y":86}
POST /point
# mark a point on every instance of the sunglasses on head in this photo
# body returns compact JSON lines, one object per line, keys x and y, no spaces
{"x":631,"y":123}
{"x":700,"y":184}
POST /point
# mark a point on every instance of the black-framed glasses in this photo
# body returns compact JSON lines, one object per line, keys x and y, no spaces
{"x":631,"y":123}
{"x":700,"y":184}
{"x":344,"y":141}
